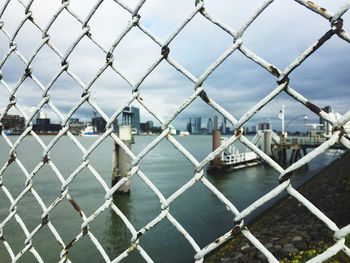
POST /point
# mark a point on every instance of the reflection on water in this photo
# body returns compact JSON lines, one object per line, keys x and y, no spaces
{"x":198,"y":210}
{"x":117,"y":236}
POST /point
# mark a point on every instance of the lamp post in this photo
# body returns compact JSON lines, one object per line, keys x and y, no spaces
{"x":305,"y":118}
{"x":281,"y":116}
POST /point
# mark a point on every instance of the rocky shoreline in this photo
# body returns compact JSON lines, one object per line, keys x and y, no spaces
{"x":288,"y":230}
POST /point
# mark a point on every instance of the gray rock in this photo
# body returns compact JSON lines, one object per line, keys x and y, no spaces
{"x":289,"y":248}
{"x":245,"y":247}
{"x":277,"y":247}
{"x":288,"y":245}
{"x":226,"y":260}
{"x":296,"y":238}
{"x":279,"y":254}
{"x":233,"y":259}
{"x":237,"y":257}
{"x":301,"y":245}
{"x":244,"y":258}
{"x":268,"y":245}
{"x":262,"y":258}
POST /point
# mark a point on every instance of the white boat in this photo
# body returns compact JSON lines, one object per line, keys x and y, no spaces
{"x":232,"y":159}
{"x":172,"y":130}
{"x":89,"y":131}
{"x":184,"y":133}
{"x":133,"y":131}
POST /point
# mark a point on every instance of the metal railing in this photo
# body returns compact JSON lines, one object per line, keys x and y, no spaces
{"x":282,"y":78}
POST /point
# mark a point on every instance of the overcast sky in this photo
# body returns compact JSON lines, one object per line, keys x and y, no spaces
{"x":279,"y":35}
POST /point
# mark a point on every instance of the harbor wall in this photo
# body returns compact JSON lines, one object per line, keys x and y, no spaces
{"x":288,"y":230}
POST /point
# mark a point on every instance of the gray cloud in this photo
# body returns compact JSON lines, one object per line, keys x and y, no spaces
{"x":279,"y":35}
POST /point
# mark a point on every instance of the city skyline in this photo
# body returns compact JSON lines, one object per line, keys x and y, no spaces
{"x":131,"y":116}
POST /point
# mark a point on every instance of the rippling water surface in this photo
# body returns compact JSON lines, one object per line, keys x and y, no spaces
{"x":197,"y":210}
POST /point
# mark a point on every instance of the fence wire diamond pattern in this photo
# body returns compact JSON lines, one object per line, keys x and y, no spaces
{"x":199,"y":9}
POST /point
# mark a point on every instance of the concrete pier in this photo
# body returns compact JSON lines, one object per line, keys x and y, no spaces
{"x":216,"y":163}
{"x":121,"y":162}
{"x":268,"y":142}
{"x":288,"y":152}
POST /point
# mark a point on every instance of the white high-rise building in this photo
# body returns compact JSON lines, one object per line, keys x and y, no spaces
{"x":197,"y":125}
{"x":210,"y":126}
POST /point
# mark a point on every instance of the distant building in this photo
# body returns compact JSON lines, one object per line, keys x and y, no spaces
{"x":131,"y":116}
{"x":197,"y":125}
{"x":13,"y":123}
{"x":39,"y":116}
{"x":264,"y":126}
{"x":75,"y":126}
{"x":44,"y":125}
{"x":210,"y":126}
{"x":223,"y":126}
{"x":73,"y":120}
{"x":215,"y":123}
{"x":189,"y":126}
{"x":326,"y":126}
{"x":99,"y":124}
{"x":146,"y":127}
{"x":136,"y":119}
{"x":150,"y":124}
{"x":254,"y":129}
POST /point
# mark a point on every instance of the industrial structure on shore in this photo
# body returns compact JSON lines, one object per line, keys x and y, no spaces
{"x":281,"y":148}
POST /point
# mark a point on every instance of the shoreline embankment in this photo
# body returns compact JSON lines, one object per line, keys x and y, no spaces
{"x":289,"y":230}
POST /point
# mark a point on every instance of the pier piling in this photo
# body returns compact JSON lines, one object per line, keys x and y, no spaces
{"x":216,"y":163}
{"x":121,"y":162}
{"x":268,"y":142}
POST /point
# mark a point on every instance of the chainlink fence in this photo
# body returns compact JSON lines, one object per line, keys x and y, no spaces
{"x":199,"y":9}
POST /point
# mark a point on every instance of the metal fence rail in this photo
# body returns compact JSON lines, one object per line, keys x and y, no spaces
{"x":237,"y":35}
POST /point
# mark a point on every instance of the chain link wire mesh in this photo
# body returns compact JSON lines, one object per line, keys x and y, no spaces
{"x":283,"y":86}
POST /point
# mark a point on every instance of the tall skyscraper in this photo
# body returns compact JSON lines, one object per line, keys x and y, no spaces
{"x":189,"y":126}
{"x":210,"y":126}
{"x":254,"y":129}
{"x":215,"y":125}
{"x":197,"y":125}
{"x":326,"y":125}
{"x":99,"y":124}
{"x":126,"y":116}
{"x":223,"y":126}
{"x":263,"y":126}
{"x":136,"y":119}
{"x":131,"y":116}
{"x":149,"y":124}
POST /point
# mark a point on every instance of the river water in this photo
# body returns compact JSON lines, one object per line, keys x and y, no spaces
{"x":198,"y":210}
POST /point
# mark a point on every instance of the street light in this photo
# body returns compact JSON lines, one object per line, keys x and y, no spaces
{"x":299,"y":116}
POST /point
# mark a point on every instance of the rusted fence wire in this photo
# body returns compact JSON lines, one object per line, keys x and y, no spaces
{"x":282,"y":77}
